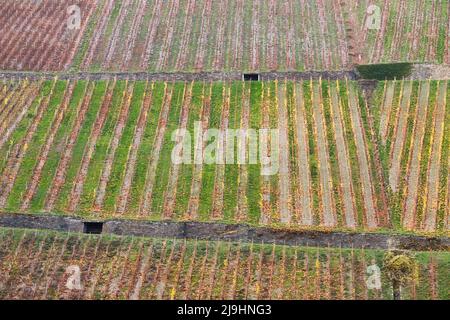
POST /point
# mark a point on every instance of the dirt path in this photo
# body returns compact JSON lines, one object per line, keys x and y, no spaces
{"x":303,"y":161}
{"x":394,"y":170}
{"x":328,"y":211}
{"x":366,"y":182}
{"x":343,"y":160}
{"x":284,"y":181}
{"x":435,"y":162}
{"x":409,"y":213}
{"x":182,"y":76}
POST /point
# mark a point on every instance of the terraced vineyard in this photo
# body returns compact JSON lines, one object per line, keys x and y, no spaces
{"x":408,"y":30}
{"x":103,"y":149}
{"x":229,"y":35}
{"x":96,"y":133}
{"x":39,"y":265}
{"x":199,"y":35}
{"x":36,"y":35}
{"x":413,"y":124}
{"x":203,"y":35}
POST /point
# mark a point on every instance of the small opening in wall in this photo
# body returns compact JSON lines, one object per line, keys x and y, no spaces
{"x":93,"y":227}
{"x":251,"y":77}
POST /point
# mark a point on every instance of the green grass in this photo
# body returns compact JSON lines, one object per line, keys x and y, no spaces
{"x":87,"y":36}
{"x":254,"y":170}
{"x":56,"y":151}
{"x":32,"y":153}
{"x":122,"y":152}
{"x":101,"y":147}
{"x":332,"y":152}
{"x":145,"y":149}
{"x":252,"y":192}
{"x":164,"y":163}
{"x":209,"y":170}
{"x":385,"y":71}
{"x":185,"y":174}
{"x":352,"y":153}
{"x":21,"y":130}
{"x":79,"y":147}
{"x":232,"y":170}
{"x":313,"y":153}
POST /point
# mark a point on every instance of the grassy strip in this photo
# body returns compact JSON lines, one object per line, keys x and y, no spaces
{"x":54,"y":155}
{"x":352,"y":153}
{"x":172,"y":55}
{"x":145,"y":149}
{"x":160,"y":37}
{"x":313,"y":154}
{"x":274,"y":179}
{"x":426,"y":153}
{"x":209,"y":170}
{"x":443,"y":173}
{"x":254,"y":170}
{"x":389,"y":71}
{"x":21,"y":129}
{"x":124,"y":34}
{"x":393,"y":118}
{"x":332,"y":152}
{"x":121,"y":155}
{"x":441,"y":45}
{"x":232,"y":170}
{"x":106,"y":38}
{"x":185,"y":175}
{"x":398,"y":199}
{"x":32,"y":152}
{"x":371,"y":149}
{"x":293,"y":154}
{"x":101,"y":148}
{"x":165,"y":162}
{"x":87,"y":36}
{"x":78,"y":149}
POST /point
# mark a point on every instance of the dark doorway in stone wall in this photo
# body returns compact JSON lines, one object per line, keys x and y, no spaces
{"x":250,"y":77}
{"x":93,"y":227}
